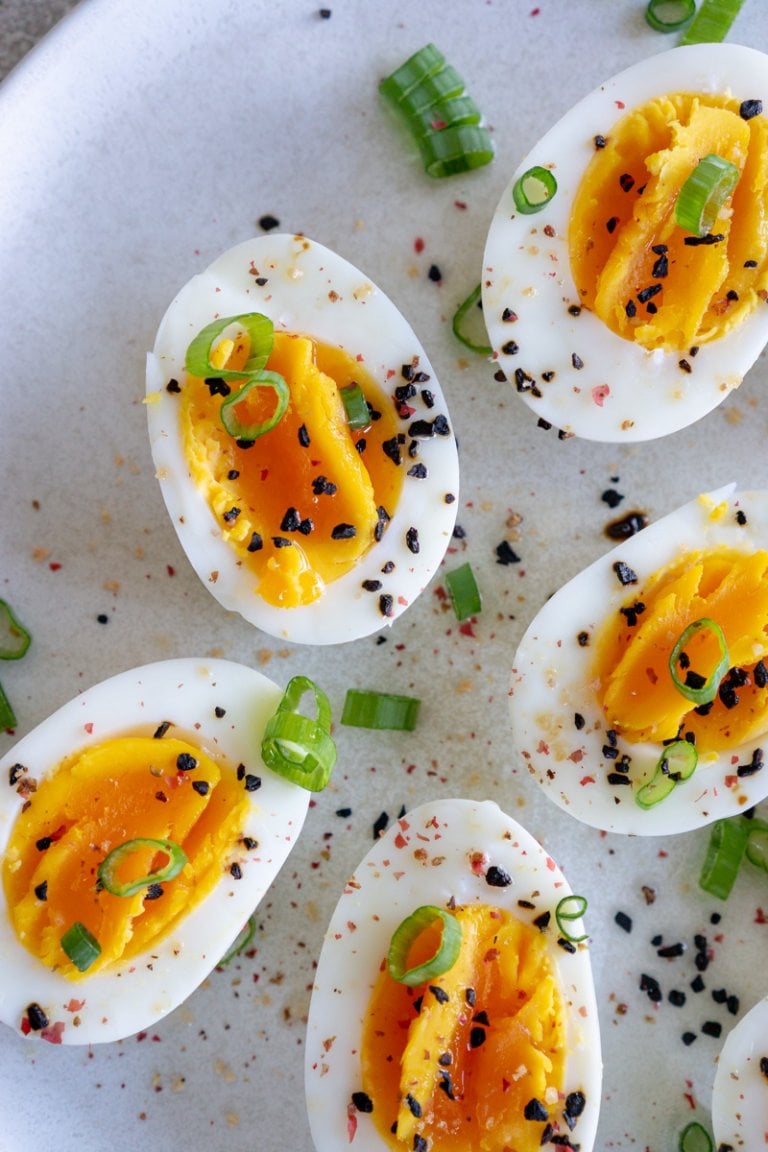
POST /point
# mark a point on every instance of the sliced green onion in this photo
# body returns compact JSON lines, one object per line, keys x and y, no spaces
{"x":107,"y":870}
{"x":381,"y":710}
{"x":677,"y":762}
{"x":463,"y":591}
{"x":250,"y":432}
{"x":458,"y":320}
{"x":727,"y":844}
{"x":756,"y":850}
{"x":295,"y":746}
{"x":704,"y":193}
{"x":240,"y":942}
{"x":570,"y":908}
{"x":669,"y":15}
{"x":708,"y":690}
{"x":435,"y":89}
{"x":80,"y":946}
{"x":457,"y":110}
{"x":695,"y":1138}
{"x":14,"y":638}
{"x":533,"y":190}
{"x":712,"y":22}
{"x":355,"y":406}
{"x":7,"y":714}
{"x":457,"y":148}
{"x":413,"y":72}
{"x":406,"y":935}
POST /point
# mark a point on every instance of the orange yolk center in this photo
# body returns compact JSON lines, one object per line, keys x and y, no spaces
{"x":459,"y":1061}
{"x":632,"y":264}
{"x":639,"y":696}
{"x":97,"y":799}
{"x":306,"y":500}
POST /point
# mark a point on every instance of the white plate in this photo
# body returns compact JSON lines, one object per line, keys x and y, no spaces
{"x":138,"y":142}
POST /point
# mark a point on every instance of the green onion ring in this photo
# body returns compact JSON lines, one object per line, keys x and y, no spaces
{"x":727,"y":844}
{"x":7,"y":714}
{"x":380,"y":710}
{"x":247,"y":433}
{"x":461,"y":312}
{"x":456,"y":148}
{"x":704,"y":192}
{"x":14,"y":637}
{"x":240,"y":942}
{"x":412,"y":72}
{"x":677,"y":762}
{"x":669,"y":15}
{"x":695,"y":1138}
{"x":456,"y":110}
{"x":260,"y":332}
{"x":295,"y":746}
{"x":533,"y":190}
{"x":355,"y":406}
{"x":756,"y":850}
{"x":571,"y":907}
{"x":435,"y":89}
{"x":463,"y":591}
{"x":707,"y":692}
{"x":107,"y":870}
{"x":712,"y":22}
{"x":80,"y":946}
{"x":408,"y":932}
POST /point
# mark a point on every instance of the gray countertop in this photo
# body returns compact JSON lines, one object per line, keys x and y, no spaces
{"x":23,"y":23}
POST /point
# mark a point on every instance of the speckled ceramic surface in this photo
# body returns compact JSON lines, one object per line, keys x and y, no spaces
{"x":139,"y":141}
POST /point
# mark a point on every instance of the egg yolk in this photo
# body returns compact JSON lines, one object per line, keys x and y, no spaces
{"x":305,"y":501}
{"x":101,"y":797}
{"x":639,"y":696}
{"x":473,"y":1060}
{"x":647,"y":278}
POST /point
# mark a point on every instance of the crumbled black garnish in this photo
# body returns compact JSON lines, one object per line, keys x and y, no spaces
{"x":445,"y":1059}
{"x":671,"y":950}
{"x":611,"y":497}
{"x":627,"y":182}
{"x":624,"y":573}
{"x":36,"y":1017}
{"x":391,"y":449}
{"x":731,"y":294}
{"x":505,"y":554}
{"x":434,"y":274}
{"x":281,"y":542}
{"x":418,"y":471}
{"x":600,"y":141}
{"x":650,"y":985}
{"x":161,"y":730}
{"x":290,"y":521}
{"x":217,"y":387}
{"x":688,"y":1038}
{"x":508,"y":316}
{"x":413,"y":1105}
{"x":43,"y":844}
{"x":476,"y":1037}
{"x":322,"y":486}
{"x":764,"y":1065}
{"x":154,"y":892}
{"x":497,"y":877}
{"x":41,"y":890}
{"x":575,"y":1103}
{"x":412,"y":540}
{"x":697,"y":984}
{"x":578,"y":721}
{"x":15,"y":773}
{"x":583,"y":639}
{"x":249,"y":842}
{"x":419,"y":1143}
{"x":524,"y":382}
{"x":612,"y":224}
{"x":676,"y":998}
{"x":609,"y":752}
{"x":382,"y":521}
{"x":380,"y":825}
{"x":535,"y":1110}
{"x":542,"y":921}
{"x":388,"y":567}
{"x":252,"y":783}
{"x":256,"y":543}
{"x":362,"y":1102}
{"x":219,"y":712}
{"x":440,"y":425}
{"x":646,"y":294}
{"x":577,"y":362}
{"x":185,"y":762}
{"x":361,"y":445}
{"x":445,"y":1083}
{"x":235,"y":871}
{"x":371,"y":585}
{"x":755,"y":764}
{"x":750,"y":263}
{"x":439,"y":993}
{"x":760,"y":674}
{"x":651,"y":308}
{"x":712,"y":1028}
{"x":343,"y":532}
{"x":304,"y":436}
{"x":173,"y":386}
{"x":386,"y":604}
{"x":632,"y":611}
{"x":624,"y":921}
{"x":710,"y":238}
{"x":631,"y":309}
{"x":470,"y":996}
{"x":202,"y":787}
{"x":405,"y":392}
{"x":268,"y":222}
{"x":510,"y":348}
{"x":750,"y":108}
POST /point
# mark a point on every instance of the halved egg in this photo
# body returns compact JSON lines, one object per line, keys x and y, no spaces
{"x":639,"y":693}
{"x":612,"y":320}
{"x":740,"y":1090}
{"x":501,"y":1048}
{"x":328,"y":525}
{"x":139,"y":828}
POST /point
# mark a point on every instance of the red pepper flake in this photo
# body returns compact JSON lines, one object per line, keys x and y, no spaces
{"x":418,"y":245}
{"x":89,"y":728}
{"x":600,"y":393}
{"x":170,"y":569}
{"x":587,"y":780}
{"x":54,"y":566}
{"x":620,"y":104}
{"x":760,"y":917}
{"x":467,"y":627}
{"x":54,"y":1034}
{"x":351,"y":1122}
{"x":460,"y":204}
{"x":400,"y":841}
{"x":74,"y":1006}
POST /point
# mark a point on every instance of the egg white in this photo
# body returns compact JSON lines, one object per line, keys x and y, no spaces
{"x":740,"y":1090}
{"x":311,"y":290}
{"x":551,"y":681}
{"x":527,"y":270}
{"x":425,"y":858}
{"x":130,"y":996}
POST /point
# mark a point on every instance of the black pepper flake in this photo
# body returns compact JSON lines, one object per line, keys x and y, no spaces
{"x":612,"y":224}
{"x":325,"y":13}
{"x":219,"y":712}
{"x":434,"y":274}
{"x":361,"y":445}
{"x":235,"y":871}
{"x":445,"y":1083}
{"x":505,"y":554}
{"x":750,"y":108}
{"x":535,"y":1110}
{"x":624,"y":921}
{"x":712,"y":1028}
{"x":470,"y":996}
{"x":256,"y":543}
{"x":508,"y":316}
{"x":344,"y":813}
{"x":445,"y":1059}
{"x":304,"y":436}
{"x":646,"y":294}
{"x":391,"y":449}
{"x":388,"y":567}
{"x":371,"y":585}
{"x":609,"y":752}
{"x":669,"y":951}
{"x":578,"y":721}
{"x":577,"y":362}
{"x":497,"y":877}
{"x":439,"y":993}
{"x":261,"y":281}
{"x":185,"y":762}
{"x":252,"y":783}
{"x":322,"y":486}
{"x":36,"y":1017}
{"x":231,"y":515}
{"x":202,"y":787}
{"x":250,"y":844}
{"x":631,"y":309}
{"x":684,"y":365}
{"x":755,"y":764}
{"x":173,"y":386}
{"x":413,"y":1105}
{"x":524,"y":382}
{"x":582,"y":639}
{"x":611,"y":497}
{"x":161,"y":730}
{"x":574,"y":310}
{"x":41,"y":890}
{"x":575,"y":1103}
{"x":217,"y":387}
{"x":510,"y":348}
{"x":482,"y":1018}
{"x":268,"y":222}
{"x":542,"y":921}
{"x":618,"y":777}
{"x":750,"y":263}
{"x":697,"y":984}
{"x":624,"y":573}
{"x":382,"y":520}
{"x":688,"y":1038}
{"x":441,"y":425}
{"x":43,"y":844}
{"x":477,"y":1037}
{"x":627,"y":182}
{"x":362,"y":1102}
{"x":281,"y":542}
{"x":661,"y":267}
{"x":676,"y":998}
{"x":650,"y":985}
{"x":731,"y":294}
{"x":412,"y":540}
{"x":15,"y":773}
{"x":290,"y":521}
{"x":651,"y":308}
{"x":343,"y":532}
{"x":764,"y":1065}
{"x":419,"y":1143}
{"x":710,"y":238}
{"x":418,"y":472}
{"x":386,"y":604}
{"x":154,"y":892}
{"x":600,"y":141}
{"x":566,"y":945}
{"x":760,"y":674}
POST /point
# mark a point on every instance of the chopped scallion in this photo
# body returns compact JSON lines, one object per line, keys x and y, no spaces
{"x":704,"y":193}
{"x":381,"y":710}
{"x":677,"y":762}
{"x":250,"y":432}
{"x":355,"y":406}
{"x":7,"y":714}
{"x":240,"y":942}
{"x":696,"y":687}
{"x":463,"y":591}
{"x":456,"y":148}
{"x":570,"y":908}
{"x":457,"y":110}
{"x":406,"y":935}
{"x":712,"y":22}
{"x":756,"y":850}
{"x":695,"y":1138}
{"x":107,"y":870}
{"x":413,"y":72}
{"x":533,"y":190}
{"x":727,"y":844}
{"x":14,"y":637}
{"x":295,"y":746}
{"x":669,"y":15}
{"x":80,"y":946}
{"x":464,"y":310}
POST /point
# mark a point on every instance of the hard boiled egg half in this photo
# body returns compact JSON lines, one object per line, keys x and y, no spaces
{"x":503,"y":1045}
{"x":639,"y":693}
{"x":139,"y":828}
{"x":740,"y":1091}
{"x":612,"y":320}
{"x":326,"y":526}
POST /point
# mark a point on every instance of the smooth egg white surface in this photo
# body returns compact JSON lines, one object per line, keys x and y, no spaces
{"x":605,"y":387}
{"x":552,"y":680}
{"x":310,"y":290}
{"x":130,"y":996}
{"x":740,"y":1090}
{"x":427,"y":857}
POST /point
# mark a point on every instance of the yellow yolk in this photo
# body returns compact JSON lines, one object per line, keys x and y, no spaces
{"x":305,"y":501}
{"x":638,"y":694}
{"x":630,"y":260}
{"x":96,"y":799}
{"x":457,"y":1061}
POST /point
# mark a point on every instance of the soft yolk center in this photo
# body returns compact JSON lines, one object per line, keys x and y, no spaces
{"x":638,"y":693}
{"x":458,"y":1061}
{"x":101,"y":797}
{"x":645,"y":276}
{"x":305,"y":501}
